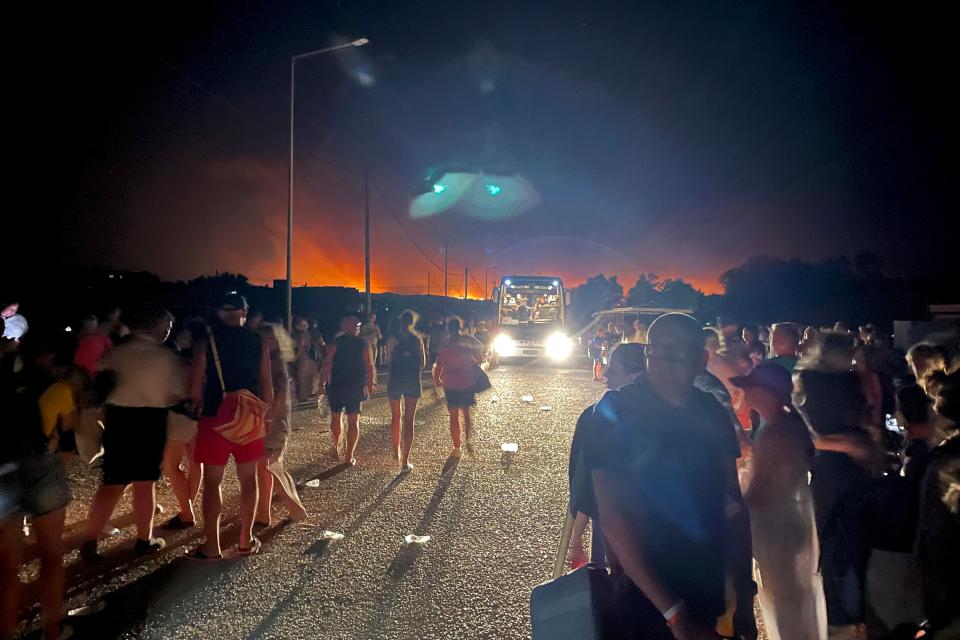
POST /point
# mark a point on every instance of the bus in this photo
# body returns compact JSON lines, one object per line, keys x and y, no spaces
{"x":531,"y":319}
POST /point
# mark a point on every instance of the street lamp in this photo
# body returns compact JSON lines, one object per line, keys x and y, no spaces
{"x":293,"y":65}
{"x":485,"y":272}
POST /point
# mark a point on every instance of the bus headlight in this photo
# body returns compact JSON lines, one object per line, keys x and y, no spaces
{"x":558,"y":346}
{"x":502,"y":344}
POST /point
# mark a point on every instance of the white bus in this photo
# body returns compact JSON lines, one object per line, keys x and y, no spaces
{"x":532,"y":318}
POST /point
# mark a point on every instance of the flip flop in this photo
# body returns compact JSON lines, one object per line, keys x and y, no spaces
{"x":254,"y":547}
{"x":200,"y":555}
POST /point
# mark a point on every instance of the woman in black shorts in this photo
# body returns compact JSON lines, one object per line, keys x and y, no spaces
{"x":457,"y":373}
{"x":149,"y":380}
{"x":407,"y":359}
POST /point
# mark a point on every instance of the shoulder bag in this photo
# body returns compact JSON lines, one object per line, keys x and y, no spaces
{"x":241,"y":417}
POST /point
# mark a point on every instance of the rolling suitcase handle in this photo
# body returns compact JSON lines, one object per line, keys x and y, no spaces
{"x":561,"y":560}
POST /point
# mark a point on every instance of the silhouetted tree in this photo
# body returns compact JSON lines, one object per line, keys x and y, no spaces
{"x":677,"y":293}
{"x":596,"y":294}
{"x":644,"y":291}
{"x":767,"y":289}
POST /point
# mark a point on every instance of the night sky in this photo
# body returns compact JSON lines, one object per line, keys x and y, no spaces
{"x":677,"y":138}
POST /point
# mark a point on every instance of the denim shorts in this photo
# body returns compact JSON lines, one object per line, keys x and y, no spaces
{"x":34,"y":486}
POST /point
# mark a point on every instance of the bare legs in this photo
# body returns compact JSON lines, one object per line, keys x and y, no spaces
{"x":185,"y":486}
{"x":212,"y":506}
{"x":105,"y":501}
{"x":402,"y":442}
{"x":247,"y":476}
{"x":144,"y":508}
{"x":266,"y":472}
{"x":409,"y":413}
{"x":455,"y":413}
{"x":336,"y":428}
{"x":455,"y":428}
{"x":353,"y":435}
{"x":395,"y":426}
{"x":265,"y":489}
{"x":468,"y":425}
{"x":10,"y":553}
{"x":48,"y":529}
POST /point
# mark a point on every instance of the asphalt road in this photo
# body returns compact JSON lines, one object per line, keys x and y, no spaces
{"x":494,"y":520}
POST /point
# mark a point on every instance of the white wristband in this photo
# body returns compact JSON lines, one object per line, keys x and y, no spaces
{"x":672,"y":611}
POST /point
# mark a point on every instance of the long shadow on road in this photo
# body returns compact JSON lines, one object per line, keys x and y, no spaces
{"x":129,"y":606}
{"x":319,"y":550}
{"x":408,"y":555}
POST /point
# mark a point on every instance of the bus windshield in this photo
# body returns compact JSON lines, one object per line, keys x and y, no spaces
{"x":531,"y":302}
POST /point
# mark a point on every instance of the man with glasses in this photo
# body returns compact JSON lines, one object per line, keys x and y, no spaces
{"x":662,"y":457}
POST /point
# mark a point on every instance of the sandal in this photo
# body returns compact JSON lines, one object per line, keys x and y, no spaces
{"x":252,"y":549}
{"x":200,"y":555}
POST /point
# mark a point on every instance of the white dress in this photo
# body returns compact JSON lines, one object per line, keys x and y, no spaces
{"x":785,"y":548}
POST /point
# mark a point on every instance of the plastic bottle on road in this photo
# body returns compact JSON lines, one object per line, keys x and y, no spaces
{"x":414,"y":539}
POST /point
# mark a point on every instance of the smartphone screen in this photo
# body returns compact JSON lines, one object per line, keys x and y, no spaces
{"x":892,"y":424}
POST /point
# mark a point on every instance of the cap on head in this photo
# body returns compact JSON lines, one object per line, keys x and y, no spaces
{"x":233,"y":301}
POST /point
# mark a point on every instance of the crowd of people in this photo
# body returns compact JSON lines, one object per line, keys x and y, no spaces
{"x":815,"y":471}
{"x":144,"y":395}
{"x":814,"y":467}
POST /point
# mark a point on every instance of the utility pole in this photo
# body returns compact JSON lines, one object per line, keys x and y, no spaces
{"x":366,"y":236}
{"x":428,"y":283}
{"x":446,"y":245}
{"x":466,"y":270}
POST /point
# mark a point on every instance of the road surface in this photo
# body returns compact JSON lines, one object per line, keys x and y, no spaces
{"x":494,"y":521}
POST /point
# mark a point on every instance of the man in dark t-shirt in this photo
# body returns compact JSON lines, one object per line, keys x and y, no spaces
{"x":662,"y":457}
{"x":349,"y":377}
{"x":244,"y":364}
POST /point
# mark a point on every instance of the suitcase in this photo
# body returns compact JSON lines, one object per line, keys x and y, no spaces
{"x":563,"y":607}
{"x":590,"y":603}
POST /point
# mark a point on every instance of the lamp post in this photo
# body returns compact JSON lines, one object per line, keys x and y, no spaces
{"x":293,"y":93}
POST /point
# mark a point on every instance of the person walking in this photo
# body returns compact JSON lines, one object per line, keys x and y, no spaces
{"x":781,"y":509}
{"x":457,"y":367}
{"x":33,"y":482}
{"x":597,"y":349}
{"x":407,"y":359}
{"x":661,"y":459}
{"x":307,"y":360}
{"x":832,"y":405}
{"x":148,"y":381}
{"x":271,"y":467}
{"x":371,"y":334}
{"x":349,"y":377}
{"x":232,"y":358}
{"x":626,"y":362}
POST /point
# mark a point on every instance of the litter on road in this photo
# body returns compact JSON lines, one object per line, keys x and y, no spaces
{"x":494,"y":398}
{"x":509,"y":447}
{"x":526,"y":397}
{"x":546,"y":408}
{"x":313,"y":483}
{"x":331,"y":535}
{"x":413,"y":539}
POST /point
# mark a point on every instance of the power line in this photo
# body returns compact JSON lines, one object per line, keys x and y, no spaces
{"x":393,"y":214}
